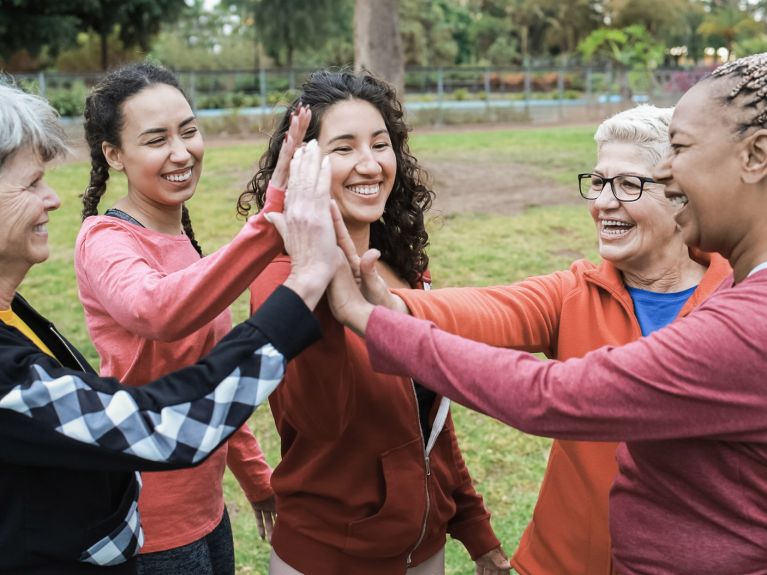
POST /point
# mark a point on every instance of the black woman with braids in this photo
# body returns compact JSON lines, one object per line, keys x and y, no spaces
{"x":689,"y":402}
{"x":153,"y":303}
{"x":371,"y":477}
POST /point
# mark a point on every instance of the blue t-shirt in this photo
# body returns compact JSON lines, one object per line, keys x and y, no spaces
{"x":655,"y":310}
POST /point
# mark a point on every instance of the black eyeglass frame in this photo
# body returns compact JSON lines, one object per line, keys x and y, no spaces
{"x":642,"y":179}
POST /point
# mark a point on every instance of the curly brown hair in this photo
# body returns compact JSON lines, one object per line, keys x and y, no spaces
{"x":400,"y":234}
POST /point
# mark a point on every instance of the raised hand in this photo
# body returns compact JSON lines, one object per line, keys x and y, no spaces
{"x":299,"y":123}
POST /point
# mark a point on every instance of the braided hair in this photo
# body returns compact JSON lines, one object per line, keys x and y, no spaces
{"x":400,"y":234}
{"x":751,"y":85}
{"x":104,"y":122}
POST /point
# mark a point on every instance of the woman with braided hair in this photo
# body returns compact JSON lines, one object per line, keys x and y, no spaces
{"x":153,"y":303}
{"x":689,"y":401}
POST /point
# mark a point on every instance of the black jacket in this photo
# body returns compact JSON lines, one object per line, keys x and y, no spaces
{"x":67,"y":476}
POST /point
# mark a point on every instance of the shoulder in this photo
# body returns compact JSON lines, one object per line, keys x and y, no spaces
{"x":105,"y":228}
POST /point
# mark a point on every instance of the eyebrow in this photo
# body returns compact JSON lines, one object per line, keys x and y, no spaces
{"x":163,"y":130}
{"x":352,"y":136}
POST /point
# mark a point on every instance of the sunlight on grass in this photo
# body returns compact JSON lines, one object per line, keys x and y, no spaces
{"x":466,"y":249}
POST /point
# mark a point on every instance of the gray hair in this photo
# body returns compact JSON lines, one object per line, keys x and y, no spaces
{"x":644,"y":126}
{"x":28,"y":121}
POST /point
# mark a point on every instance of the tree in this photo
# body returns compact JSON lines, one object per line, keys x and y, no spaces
{"x":726,"y":24}
{"x":33,"y":25}
{"x":377,"y":42}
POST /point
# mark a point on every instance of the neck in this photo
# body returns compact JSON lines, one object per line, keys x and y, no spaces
{"x":749,"y":252}
{"x":360,"y":235}
{"x":673,"y":273}
{"x":10,"y":280}
{"x":160,"y":218}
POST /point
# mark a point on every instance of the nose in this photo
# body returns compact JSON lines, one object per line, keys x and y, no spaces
{"x":606,"y":199}
{"x":179,"y":152}
{"x":661,"y":173}
{"x":367,"y":164}
{"x":51,"y":200}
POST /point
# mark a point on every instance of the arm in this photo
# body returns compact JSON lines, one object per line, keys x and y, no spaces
{"x":69,"y":418}
{"x":248,"y":464}
{"x":169,"y":306}
{"x":676,"y":383}
{"x":312,"y":390}
{"x":524,"y":315}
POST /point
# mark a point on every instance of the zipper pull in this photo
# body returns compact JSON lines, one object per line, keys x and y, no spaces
{"x":428,"y":465}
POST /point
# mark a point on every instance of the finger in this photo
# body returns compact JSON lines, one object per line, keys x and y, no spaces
{"x":277,"y":219}
{"x":260,"y":525}
{"x":313,"y":164}
{"x":269,"y":526}
{"x":294,"y":178}
{"x":343,"y":239}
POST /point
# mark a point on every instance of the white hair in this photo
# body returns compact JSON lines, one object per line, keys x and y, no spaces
{"x":644,"y":126}
{"x":27,"y":120}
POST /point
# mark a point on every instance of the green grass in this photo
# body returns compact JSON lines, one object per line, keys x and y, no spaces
{"x":466,"y":249}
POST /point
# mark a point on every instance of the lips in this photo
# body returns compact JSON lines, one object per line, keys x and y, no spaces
{"x":614,"y":227}
{"x":41,"y":228}
{"x":179,"y":176}
{"x":676,"y":198}
{"x":365,"y":190}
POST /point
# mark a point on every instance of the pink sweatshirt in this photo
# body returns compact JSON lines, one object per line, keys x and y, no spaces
{"x":152,"y":305}
{"x":690,"y":401}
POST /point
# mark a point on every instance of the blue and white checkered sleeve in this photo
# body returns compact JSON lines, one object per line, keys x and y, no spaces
{"x":182,"y":433}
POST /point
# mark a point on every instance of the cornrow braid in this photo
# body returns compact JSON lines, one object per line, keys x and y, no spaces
{"x":752,"y":85}
{"x":186,"y":222}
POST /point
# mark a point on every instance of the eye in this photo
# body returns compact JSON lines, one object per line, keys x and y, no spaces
{"x":597,"y":182}
{"x":381,"y":145}
{"x":342,"y":149}
{"x":190,"y":132}
{"x":155,"y":141}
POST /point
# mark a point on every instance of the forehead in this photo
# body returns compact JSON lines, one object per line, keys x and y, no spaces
{"x":25,"y":164}
{"x":622,"y":158}
{"x":700,"y":112}
{"x":354,"y":117}
{"x":155,"y":106}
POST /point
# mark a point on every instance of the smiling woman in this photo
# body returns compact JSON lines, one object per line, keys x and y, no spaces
{"x":153,"y":304}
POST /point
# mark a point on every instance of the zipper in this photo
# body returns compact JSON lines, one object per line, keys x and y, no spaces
{"x":427,"y":468}
{"x":60,"y":337}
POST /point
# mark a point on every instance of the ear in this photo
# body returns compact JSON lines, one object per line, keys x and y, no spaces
{"x":755,"y":157}
{"x":112,"y":155}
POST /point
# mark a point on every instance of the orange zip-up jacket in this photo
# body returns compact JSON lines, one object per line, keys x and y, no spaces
{"x":564,"y":314}
{"x":355,"y":492}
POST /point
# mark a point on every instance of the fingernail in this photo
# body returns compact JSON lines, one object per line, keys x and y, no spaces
{"x":312,"y":144}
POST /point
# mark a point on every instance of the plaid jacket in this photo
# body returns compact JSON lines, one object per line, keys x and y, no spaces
{"x":71,"y":440}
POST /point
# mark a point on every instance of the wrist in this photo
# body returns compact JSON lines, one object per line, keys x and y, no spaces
{"x":309,"y":289}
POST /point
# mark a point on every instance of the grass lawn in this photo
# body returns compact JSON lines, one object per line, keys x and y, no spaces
{"x":466,"y":249}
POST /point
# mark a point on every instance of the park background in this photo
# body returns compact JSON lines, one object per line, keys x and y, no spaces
{"x":504,"y":94}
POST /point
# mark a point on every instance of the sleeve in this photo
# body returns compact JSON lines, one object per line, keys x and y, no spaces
{"x":701,"y":376}
{"x":109,"y":260}
{"x":319,"y":380}
{"x":471,"y":523}
{"x":524,"y":315}
{"x":248,"y":464}
{"x":69,"y":418}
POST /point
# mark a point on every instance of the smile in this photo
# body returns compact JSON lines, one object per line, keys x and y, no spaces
{"x":179,"y":177}
{"x":41,"y":228}
{"x":677,"y":200}
{"x":614,"y":228}
{"x":368,"y":190}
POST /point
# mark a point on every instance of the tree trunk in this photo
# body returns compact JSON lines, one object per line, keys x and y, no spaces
{"x":377,"y":41}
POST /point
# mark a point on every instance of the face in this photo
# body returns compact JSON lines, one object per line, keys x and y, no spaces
{"x":363,"y":164}
{"x":632,"y":234}
{"x":25,"y":200}
{"x":701,"y":171}
{"x":161,"y":147}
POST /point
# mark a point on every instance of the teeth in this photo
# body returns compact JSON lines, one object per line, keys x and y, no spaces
{"x":40,"y":228}
{"x":364,"y":190}
{"x":179,"y":177}
{"x":678,"y":201}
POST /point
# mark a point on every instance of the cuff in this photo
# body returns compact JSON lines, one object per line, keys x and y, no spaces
{"x":275,"y":199}
{"x":288,"y":324}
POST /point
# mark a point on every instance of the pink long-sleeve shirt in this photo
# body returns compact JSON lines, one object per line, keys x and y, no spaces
{"x":152,"y":305}
{"x":690,"y":401}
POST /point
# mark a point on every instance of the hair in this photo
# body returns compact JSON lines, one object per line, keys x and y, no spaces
{"x":28,"y":121}
{"x":400,"y":234}
{"x":104,"y":122}
{"x":749,"y":75}
{"x":644,"y":126}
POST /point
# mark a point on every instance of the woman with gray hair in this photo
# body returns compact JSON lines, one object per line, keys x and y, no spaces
{"x":71,"y":441}
{"x":647,"y":278}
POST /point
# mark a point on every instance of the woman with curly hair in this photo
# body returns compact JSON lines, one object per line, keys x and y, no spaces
{"x":371,"y":477}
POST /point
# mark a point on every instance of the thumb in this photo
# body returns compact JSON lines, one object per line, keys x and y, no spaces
{"x":277,"y":219}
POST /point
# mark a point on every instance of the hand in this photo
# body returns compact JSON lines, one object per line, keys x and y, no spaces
{"x":493,"y":562}
{"x":306,"y":225}
{"x":299,"y":123}
{"x":346,"y":302}
{"x":266,"y":514}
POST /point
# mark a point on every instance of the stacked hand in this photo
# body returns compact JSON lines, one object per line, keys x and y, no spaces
{"x":266,"y":514}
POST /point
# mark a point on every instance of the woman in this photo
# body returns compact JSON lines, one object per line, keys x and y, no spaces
{"x":688,"y":401}
{"x":70,"y":441}
{"x":371,"y":476}
{"x":153,"y":304}
{"x":647,"y":277}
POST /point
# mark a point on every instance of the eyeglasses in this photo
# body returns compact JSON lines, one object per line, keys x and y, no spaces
{"x":624,"y":188}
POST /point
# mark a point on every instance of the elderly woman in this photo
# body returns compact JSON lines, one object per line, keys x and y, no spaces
{"x":70,"y":441}
{"x":689,"y":401}
{"x":647,"y":277}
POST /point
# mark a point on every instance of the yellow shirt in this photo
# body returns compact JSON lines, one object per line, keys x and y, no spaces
{"x":9,"y":318}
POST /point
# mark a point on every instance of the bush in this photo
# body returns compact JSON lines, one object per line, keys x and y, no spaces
{"x":68,"y":101}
